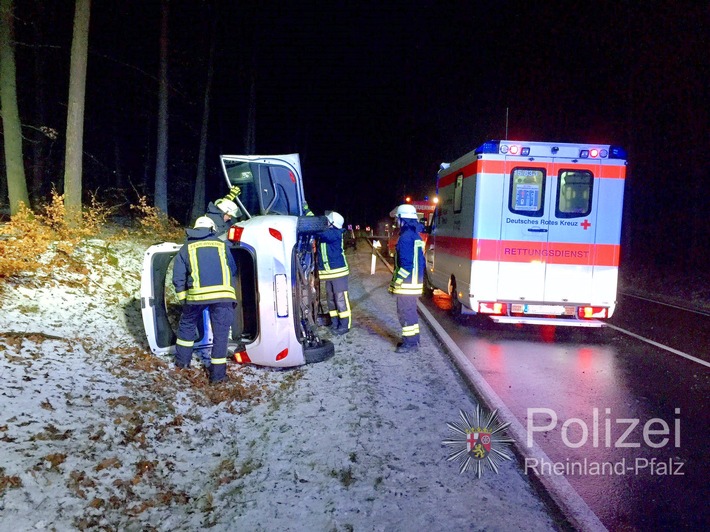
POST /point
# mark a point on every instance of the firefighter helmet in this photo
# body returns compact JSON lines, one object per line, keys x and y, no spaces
{"x":227,"y":207}
{"x":335,"y":219}
{"x":406,"y":211}
{"x":205,"y":222}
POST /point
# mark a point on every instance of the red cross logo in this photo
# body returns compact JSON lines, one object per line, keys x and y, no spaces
{"x":586,"y":224}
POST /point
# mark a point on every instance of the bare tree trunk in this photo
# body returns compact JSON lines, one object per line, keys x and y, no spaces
{"x":12,"y":129}
{"x":75,"y":114}
{"x":198,"y":200}
{"x":161,"y":157}
{"x":250,"y":139}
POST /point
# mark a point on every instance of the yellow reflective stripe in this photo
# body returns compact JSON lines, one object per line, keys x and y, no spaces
{"x":411,"y":330}
{"x":333,"y":313}
{"x":324,"y":255}
{"x":347,"y":313}
{"x":333,"y":274}
{"x":192,"y":249}
{"x":185,"y":343}
{"x":211,"y":292}
{"x":182,"y":295}
{"x":402,"y":272}
{"x":418,"y":245}
{"x":406,"y":291}
{"x":217,"y":361}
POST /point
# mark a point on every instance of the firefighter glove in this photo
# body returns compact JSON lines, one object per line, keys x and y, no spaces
{"x":233,"y":193}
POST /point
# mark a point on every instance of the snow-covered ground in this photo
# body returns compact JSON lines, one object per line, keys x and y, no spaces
{"x":97,"y":433}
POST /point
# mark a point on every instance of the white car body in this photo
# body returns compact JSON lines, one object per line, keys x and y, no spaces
{"x":276,"y":284}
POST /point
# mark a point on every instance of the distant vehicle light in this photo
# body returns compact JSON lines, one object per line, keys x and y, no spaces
{"x":514,"y":150}
{"x":242,"y":357}
{"x":283,"y":354}
{"x":583,"y":154}
{"x":504,"y":148}
{"x":594,"y":152}
{"x":603,"y":154}
{"x":275,"y":233}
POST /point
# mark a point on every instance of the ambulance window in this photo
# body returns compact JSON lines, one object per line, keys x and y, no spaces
{"x":574,"y":193}
{"x":527,"y":191}
{"x":458,"y":189}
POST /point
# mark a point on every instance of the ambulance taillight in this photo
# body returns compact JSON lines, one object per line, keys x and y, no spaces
{"x":485,"y":307}
{"x":591,"y":312}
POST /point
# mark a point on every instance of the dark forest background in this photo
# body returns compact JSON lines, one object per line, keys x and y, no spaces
{"x":375,"y":95}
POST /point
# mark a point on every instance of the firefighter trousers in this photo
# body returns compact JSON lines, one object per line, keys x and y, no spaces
{"x":336,"y":291}
{"x":221,"y":316}
{"x":408,"y":319}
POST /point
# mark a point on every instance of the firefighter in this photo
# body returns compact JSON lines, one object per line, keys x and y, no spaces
{"x":408,"y":276}
{"x":223,"y":210}
{"x":333,"y":269}
{"x":203,"y":278}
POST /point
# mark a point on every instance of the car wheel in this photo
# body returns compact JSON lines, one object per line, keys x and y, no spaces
{"x":311,"y":224}
{"x":319,"y":353}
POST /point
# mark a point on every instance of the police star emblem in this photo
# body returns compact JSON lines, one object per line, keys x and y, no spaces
{"x":478,"y":440}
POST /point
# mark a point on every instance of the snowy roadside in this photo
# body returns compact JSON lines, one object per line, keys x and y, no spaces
{"x":98,"y":433}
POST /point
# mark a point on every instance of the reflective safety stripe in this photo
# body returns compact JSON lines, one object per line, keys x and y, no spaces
{"x":182,"y":295}
{"x":197,"y":292}
{"x":185,"y":343}
{"x":407,"y":288}
{"x":346,"y":315}
{"x":332,"y":274}
{"x":333,"y":313}
{"x":410,"y":330}
{"x":216,"y":361}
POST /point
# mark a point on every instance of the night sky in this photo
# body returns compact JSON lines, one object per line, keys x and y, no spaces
{"x":375,"y":95}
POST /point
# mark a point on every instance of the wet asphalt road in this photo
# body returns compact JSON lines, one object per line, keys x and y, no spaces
{"x":591,"y":380}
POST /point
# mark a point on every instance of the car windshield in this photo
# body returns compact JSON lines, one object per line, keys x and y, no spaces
{"x":265,"y":189}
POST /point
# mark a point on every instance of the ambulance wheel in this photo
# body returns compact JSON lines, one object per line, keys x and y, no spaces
{"x":428,"y":288}
{"x":322,"y":352}
{"x":456,"y":306}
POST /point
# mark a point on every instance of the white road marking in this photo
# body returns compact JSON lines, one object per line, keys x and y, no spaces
{"x":687,"y":309}
{"x":656,"y":344}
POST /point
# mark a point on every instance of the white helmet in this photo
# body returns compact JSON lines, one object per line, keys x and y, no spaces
{"x":227,"y":207}
{"x":205,"y":222}
{"x":406,"y":211}
{"x":335,"y":219}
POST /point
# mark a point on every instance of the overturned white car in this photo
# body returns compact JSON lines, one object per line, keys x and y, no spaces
{"x":277,"y":277}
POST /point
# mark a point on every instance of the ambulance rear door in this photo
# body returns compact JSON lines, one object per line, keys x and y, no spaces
{"x":524,"y":231}
{"x":571,"y":224}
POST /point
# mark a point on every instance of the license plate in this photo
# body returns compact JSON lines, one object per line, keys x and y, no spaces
{"x":548,"y":310}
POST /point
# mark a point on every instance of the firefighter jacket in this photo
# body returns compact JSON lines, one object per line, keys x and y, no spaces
{"x":331,"y":256}
{"x":408,"y":274}
{"x":217,"y":216}
{"x":204,"y":269}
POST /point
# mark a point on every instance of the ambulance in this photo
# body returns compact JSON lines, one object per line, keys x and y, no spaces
{"x":528,"y":232}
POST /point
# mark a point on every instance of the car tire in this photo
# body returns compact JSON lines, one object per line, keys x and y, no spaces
{"x":320,"y":353}
{"x":311,"y":224}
